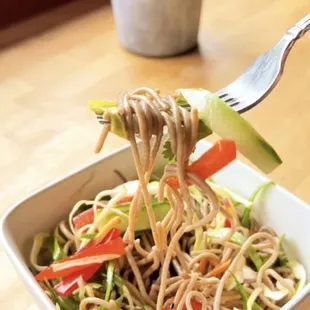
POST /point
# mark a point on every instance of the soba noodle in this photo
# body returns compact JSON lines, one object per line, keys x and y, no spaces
{"x":161,"y":267}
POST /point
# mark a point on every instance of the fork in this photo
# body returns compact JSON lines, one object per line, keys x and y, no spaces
{"x":259,"y":79}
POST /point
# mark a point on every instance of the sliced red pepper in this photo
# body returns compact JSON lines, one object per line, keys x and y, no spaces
{"x":69,"y":284}
{"x":87,"y":217}
{"x":115,"y":246}
{"x":227,"y":223}
{"x":111,"y":235}
{"x":195,"y":305}
{"x":125,"y":200}
{"x":84,"y":218}
{"x":216,"y":158}
{"x":213,"y":160}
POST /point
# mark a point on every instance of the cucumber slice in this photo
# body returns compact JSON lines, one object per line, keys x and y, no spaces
{"x":228,"y":124}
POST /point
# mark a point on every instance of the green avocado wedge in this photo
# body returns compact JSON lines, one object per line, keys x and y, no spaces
{"x":109,"y":109}
{"x":228,"y":124}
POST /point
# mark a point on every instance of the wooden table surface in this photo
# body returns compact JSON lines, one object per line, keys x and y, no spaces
{"x":46,"y":80}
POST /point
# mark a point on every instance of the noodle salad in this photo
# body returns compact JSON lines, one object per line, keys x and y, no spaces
{"x":174,"y":241}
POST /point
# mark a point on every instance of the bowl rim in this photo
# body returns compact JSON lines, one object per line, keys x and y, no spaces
{"x":26,"y":276}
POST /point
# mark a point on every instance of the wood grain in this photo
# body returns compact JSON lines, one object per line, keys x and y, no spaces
{"x":46,"y":130}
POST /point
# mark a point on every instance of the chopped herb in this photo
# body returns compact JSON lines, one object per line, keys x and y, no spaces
{"x":203,"y":131}
{"x":282,"y":260}
{"x":238,"y":238}
{"x":181,"y":101}
{"x":49,"y":242}
{"x":58,"y":252}
{"x":246,"y":216}
{"x":245,"y":220}
{"x":110,"y":280}
{"x":255,"y":258}
{"x":260,"y":190}
{"x":119,"y":283}
{"x":244,"y":295}
{"x":167,"y":151}
{"x":62,"y":303}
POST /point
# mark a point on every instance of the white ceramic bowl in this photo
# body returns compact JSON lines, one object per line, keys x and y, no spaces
{"x":44,"y":209}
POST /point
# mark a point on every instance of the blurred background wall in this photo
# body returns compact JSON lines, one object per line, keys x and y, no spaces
{"x":12,"y":11}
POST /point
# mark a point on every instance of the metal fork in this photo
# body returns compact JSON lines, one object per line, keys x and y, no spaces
{"x":263,"y":74}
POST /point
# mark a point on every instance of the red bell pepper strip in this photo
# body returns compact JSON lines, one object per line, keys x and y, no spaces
{"x":227,"y":223}
{"x":213,"y":160}
{"x":115,"y":246}
{"x":84,"y":218}
{"x":125,"y":200}
{"x":69,"y":284}
{"x":111,"y":235}
{"x":216,"y":158}
{"x":87,"y":217}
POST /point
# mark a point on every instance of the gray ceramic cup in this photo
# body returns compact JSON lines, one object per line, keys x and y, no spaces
{"x":157,"y":28}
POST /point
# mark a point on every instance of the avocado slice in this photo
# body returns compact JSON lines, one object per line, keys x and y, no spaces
{"x":142,"y":223}
{"x":228,"y":124}
{"x":117,"y":124}
{"x":109,"y":109}
{"x":99,"y":106}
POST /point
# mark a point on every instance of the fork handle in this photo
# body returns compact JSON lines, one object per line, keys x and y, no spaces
{"x":264,"y":72}
{"x":299,"y":29}
{"x":291,"y":36}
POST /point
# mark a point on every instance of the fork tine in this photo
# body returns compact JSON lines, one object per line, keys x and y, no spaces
{"x":101,"y":120}
{"x":243,"y":107}
{"x":233,"y":102}
{"x":229,"y":98}
{"x":222,"y":93}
